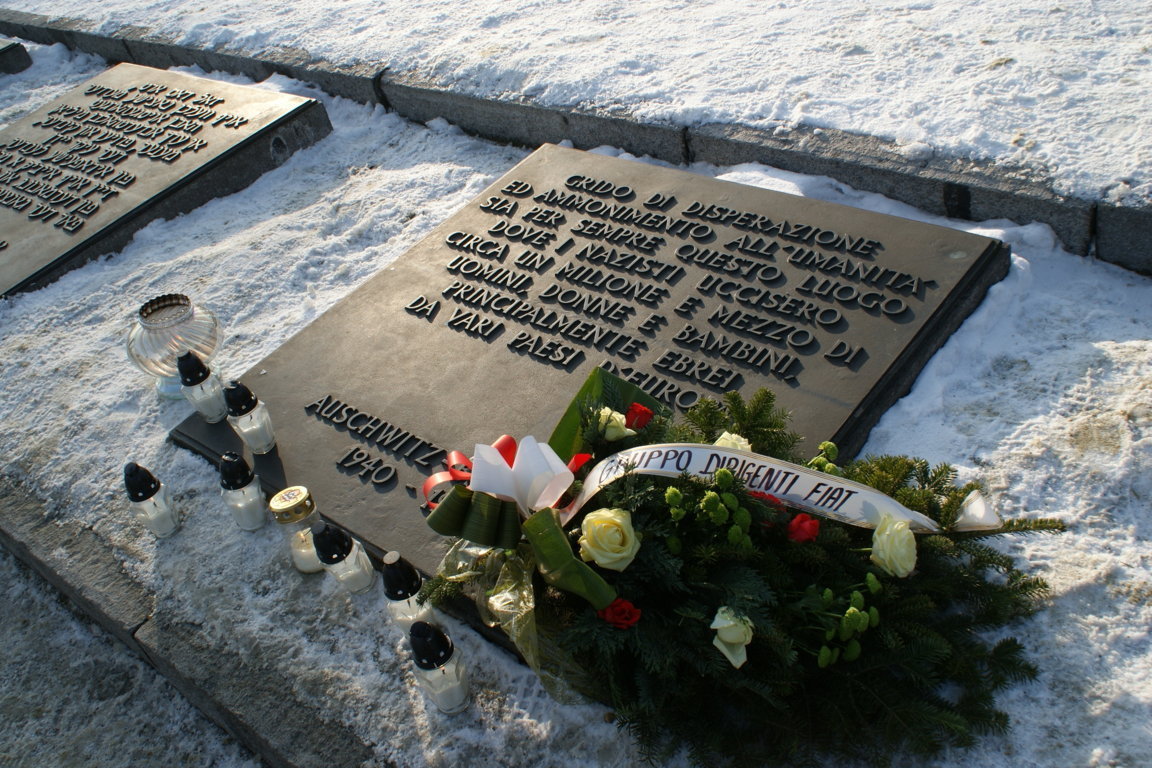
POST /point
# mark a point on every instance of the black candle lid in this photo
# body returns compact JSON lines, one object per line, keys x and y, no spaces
{"x":401,"y":579}
{"x":192,"y":369}
{"x":431,"y":648}
{"x":332,"y":544}
{"x":139,"y":482}
{"x":239,"y":398}
{"x":234,"y":472}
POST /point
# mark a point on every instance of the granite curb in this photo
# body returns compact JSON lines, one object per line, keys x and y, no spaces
{"x":951,"y":186}
{"x":245,"y":696}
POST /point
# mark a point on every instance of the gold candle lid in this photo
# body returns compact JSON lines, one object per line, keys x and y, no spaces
{"x":292,"y":504}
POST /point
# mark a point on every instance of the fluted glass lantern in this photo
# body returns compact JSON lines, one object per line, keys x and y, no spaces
{"x":167,"y":327}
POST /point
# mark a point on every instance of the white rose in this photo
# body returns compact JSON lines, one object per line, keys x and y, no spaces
{"x":608,"y":539}
{"x":733,"y":633}
{"x":613,"y":426}
{"x":894,"y":547}
{"x":731,"y":440}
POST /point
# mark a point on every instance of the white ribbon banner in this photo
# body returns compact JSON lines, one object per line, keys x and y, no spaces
{"x":815,"y":492}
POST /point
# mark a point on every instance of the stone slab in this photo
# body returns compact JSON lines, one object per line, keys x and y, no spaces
{"x":81,"y":175}
{"x":13,"y":57}
{"x":947,"y":186}
{"x":490,"y":324}
{"x":528,"y":124}
{"x":1124,"y":236}
{"x":248,"y":698}
{"x":75,"y":561}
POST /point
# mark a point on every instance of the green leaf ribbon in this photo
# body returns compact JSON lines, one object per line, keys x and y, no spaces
{"x":477,"y":517}
{"x":559,"y":566}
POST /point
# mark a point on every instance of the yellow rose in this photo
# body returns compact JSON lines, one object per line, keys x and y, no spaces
{"x":894,"y":547}
{"x":612,"y":425}
{"x":733,"y":633}
{"x":732,"y":440}
{"x":608,"y":539}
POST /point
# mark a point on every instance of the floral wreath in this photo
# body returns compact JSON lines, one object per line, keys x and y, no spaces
{"x":723,"y":598}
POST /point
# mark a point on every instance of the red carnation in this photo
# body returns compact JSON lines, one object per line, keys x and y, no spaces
{"x":620,"y":613}
{"x":637,"y":416}
{"x":803,"y":528}
{"x":578,"y":460}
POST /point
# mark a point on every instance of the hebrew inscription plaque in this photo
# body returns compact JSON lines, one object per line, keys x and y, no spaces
{"x":80,"y":175}
{"x":685,"y":285}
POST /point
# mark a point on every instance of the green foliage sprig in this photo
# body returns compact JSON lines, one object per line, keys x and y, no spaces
{"x":759,"y":421}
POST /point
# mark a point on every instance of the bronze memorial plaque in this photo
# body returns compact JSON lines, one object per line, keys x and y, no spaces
{"x":685,"y":285}
{"x":79,"y":176}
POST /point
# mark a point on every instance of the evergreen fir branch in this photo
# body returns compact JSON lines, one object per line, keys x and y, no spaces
{"x":762,"y":424}
{"x":764,"y":692}
{"x":1018,"y":525}
{"x":692,"y":610}
{"x":439,"y":591}
{"x":886,"y":474}
{"x":1006,"y":663}
{"x":703,"y":422}
{"x":757,"y":420}
{"x":940,"y":479}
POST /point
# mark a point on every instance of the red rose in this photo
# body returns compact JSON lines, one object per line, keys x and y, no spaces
{"x":803,"y":528}
{"x":637,"y":416}
{"x":620,"y":613}
{"x":578,"y":460}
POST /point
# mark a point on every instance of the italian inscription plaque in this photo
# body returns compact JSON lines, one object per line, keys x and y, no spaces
{"x":81,"y":175}
{"x":685,"y":285}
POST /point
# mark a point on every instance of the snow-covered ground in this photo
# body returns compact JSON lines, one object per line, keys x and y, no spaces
{"x":1062,"y":86}
{"x":1045,"y":393}
{"x":73,"y":696}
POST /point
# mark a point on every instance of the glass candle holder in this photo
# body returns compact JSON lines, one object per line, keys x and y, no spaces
{"x":439,"y":668}
{"x":249,"y":417}
{"x":167,"y":327}
{"x":343,"y":557}
{"x":240,"y":488}
{"x":150,"y":500}
{"x":201,"y":387}
{"x":295,"y":511}
{"x":401,"y":584}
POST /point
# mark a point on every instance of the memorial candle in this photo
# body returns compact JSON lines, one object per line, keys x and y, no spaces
{"x":166,"y":327}
{"x":439,"y":668}
{"x":201,"y":387}
{"x":240,"y":488}
{"x":343,"y":557}
{"x":295,"y":511}
{"x":401,"y":584}
{"x":151,"y":502}
{"x":249,"y":417}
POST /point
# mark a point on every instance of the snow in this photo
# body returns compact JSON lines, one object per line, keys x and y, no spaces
{"x":1045,"y":393}
{"x":74,"y":696}
{"x":1059,"y":87}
